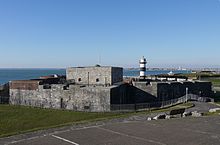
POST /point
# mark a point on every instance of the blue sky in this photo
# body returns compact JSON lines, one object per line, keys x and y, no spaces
{"x":62,"y":33}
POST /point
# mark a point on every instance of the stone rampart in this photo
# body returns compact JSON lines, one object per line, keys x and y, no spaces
{"x":73,"y":97}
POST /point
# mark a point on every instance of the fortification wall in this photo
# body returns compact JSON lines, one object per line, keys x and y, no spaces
{"x":117,"y":75}
{"x":94,"y":99}
{"x":170,"y":90}
{"x":123,"y":94}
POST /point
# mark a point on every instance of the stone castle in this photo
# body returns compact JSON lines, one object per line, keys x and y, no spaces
{"x":98,"y":89}
{"x":84,"y":89}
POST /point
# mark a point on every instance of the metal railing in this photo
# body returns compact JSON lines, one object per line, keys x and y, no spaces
{"x":159,"y":104}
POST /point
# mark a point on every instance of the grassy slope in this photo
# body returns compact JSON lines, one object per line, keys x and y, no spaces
{"x":17,"y":119}
{"x":20,"y":119}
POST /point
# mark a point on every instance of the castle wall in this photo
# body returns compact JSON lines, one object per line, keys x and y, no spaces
{"x":123,"y":94}
{"x":94,"y":99}
{"x":145,"y":92}
{"x":117,"y":75}
{"x":170,"y":90}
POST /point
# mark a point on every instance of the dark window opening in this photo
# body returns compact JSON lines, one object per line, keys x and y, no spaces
{"x":61,"y":103}
{"x":79,"y":80}
{"x":97,"y":80}
{"x":46,"y":86}
{"x":86,"y":107}
{"x":66,"y":87}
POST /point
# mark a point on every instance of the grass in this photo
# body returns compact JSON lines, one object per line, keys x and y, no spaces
{"x":212,"y":113}
{"x":185,"y":105}
{"x":200,"y":75}
{"x":21,"y":119}
{"x":218,"y":103}
{"x":215,"y":82}
{"x":214,"y":78}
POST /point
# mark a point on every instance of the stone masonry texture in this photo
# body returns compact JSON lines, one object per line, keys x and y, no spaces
{"x":95,"y":75}
{"x":93,"y":99}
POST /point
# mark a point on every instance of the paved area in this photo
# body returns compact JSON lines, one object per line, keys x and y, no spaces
{"x":202,"y":107}
{"x":179,"y":131}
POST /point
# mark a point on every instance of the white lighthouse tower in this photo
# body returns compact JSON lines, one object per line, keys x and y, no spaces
{"x":143,"y":63}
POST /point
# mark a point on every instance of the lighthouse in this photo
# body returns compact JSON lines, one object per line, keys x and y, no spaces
{"x":143,"y":63}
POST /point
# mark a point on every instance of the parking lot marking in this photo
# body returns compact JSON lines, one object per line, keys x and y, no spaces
{"x":131,"y":136}
{"x":63,"y":139}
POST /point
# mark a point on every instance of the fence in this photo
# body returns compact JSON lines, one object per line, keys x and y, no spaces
{"x":160,"y":104}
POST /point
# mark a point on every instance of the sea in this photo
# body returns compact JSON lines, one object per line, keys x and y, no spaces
{"x":7,"y":75}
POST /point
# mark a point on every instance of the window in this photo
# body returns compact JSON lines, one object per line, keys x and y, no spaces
{"x":86,"y":107}
{"x":46,"y":86}
{"x":97,"y":80}
{"x":66,"y":87}
{"x":79,"y":80}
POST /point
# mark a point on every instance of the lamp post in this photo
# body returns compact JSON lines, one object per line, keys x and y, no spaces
{"x":187,"y":90}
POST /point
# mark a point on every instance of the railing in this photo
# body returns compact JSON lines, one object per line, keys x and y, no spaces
{"x":160,"y":104}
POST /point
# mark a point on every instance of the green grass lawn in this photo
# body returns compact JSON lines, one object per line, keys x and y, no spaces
{"x":20,"y":119}
{"x":215,"y":82}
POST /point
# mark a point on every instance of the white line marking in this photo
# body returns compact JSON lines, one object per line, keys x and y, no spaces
{"x":135,"y":137}
{"x":74,"y":129}
{"x":63,"y":139}
{"x":55,"y":132}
